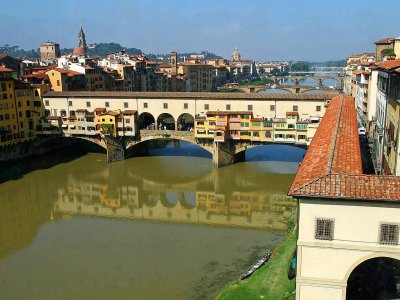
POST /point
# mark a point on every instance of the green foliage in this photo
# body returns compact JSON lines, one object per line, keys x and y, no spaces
{"x":301,"y":66}
{"x":331,"y":63}
{"x":277,"y":72}
{"x":228,"y":90}
{"x":107,"y":128}
{"x":388,"y":52}
{"x":21,"y":53}
{"x":261,"y":70}
{"x":102,"y":49}
{"x":259,"y":81}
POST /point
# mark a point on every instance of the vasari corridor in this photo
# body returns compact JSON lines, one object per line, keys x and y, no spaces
{"x":213,"y":150}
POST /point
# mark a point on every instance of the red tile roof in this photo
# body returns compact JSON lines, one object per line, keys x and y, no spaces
{"x":129,"y":112}
{"x":385,"y":41}
{"x":4,"y":69}
{"x":358,"y":72}
{"x":165,"y":65}
{"x":35,"y":75}
{"x":390,"y":64}
{"x":332,"y":165}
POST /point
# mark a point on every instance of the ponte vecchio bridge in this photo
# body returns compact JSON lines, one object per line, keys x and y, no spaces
{"x":224,"y":124}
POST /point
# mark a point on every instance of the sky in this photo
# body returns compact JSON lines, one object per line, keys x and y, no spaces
{"x":263,"y":30}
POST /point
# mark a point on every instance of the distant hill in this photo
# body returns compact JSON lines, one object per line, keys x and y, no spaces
{"x":14,"y":51}
{"x":165,"y":57}
{"x":102,"y":49}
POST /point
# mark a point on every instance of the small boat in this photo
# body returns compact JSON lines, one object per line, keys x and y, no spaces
{"x":256,"y":266}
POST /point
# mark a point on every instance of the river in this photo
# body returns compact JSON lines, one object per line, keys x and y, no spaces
{"x":166,"y":226}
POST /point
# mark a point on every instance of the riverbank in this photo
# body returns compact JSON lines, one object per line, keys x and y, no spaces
{"x":271,"y":281}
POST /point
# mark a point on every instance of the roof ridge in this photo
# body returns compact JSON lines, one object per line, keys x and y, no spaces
{"x":335,"y":135}
{"x":311,"y":182}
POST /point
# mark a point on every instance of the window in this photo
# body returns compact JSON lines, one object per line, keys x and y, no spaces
{"x":58,"y":82}
{"x":185,"y":106}
{"x":107,"y":104}
{"x":28,"y":103}
{"x":228,"y":107}
{"x":165,"y":105}
{"x":69,"y":103}
{"x":389,"y":234}
{"x":47,"y":102}
{"x":19,"y":104}
{"x":125,"y":104}
{"x":295,"y":108}
{"x":318,"y":108}
{"x":145,"y":105}
{"x":250,"y":107}
{"x":206,"y":106}
{"x":272,"y":107}
{"x":87,"y":104}
{"x":256,"y":134}
{"x":324,"y":229}
{"x":63,"y":113}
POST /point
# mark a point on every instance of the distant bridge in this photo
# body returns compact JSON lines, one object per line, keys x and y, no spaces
{"x":294,"y":89}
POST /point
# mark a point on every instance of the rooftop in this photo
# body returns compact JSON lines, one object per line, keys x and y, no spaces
{"x":385,"y":41}
{"x":390,"y":64}
{"x":4,"y":69}
{"x":188,"y":95}
{"x":332,"y":166}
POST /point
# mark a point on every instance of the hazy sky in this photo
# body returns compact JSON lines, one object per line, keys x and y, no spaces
{"x":313,"y":30}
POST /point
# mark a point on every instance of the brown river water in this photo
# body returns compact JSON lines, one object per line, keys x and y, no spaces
{"x":160,"y":227}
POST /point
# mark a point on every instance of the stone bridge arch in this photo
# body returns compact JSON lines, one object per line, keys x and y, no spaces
{"x":260,"y":90}
{"x":242,"y":148}
{"x":185,"y":136}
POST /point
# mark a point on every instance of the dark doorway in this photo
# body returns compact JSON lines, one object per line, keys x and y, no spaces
{"x":376,"y":278}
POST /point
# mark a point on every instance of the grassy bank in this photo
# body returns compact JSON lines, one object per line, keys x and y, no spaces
{"x":270,"y":282}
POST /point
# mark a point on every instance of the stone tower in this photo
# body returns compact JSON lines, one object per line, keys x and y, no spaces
{"x":174,"y":62}
{"x":81,"y":39}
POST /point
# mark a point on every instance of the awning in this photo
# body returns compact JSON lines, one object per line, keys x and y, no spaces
{"x":64,"y":126}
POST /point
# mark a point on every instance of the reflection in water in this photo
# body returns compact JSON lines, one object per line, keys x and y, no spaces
{"x":212,"y":196}
{"x":140,"y":244}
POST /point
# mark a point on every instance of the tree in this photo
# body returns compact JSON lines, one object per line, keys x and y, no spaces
{"x":301,"y":66}
{"x":388,"y":52}
{"x":261,"y":70}
{"x":275,"y":72}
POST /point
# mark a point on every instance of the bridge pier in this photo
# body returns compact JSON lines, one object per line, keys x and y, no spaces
{"x":224,"y":154}
{"x":115,"y":148}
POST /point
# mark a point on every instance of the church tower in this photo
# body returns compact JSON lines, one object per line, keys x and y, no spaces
{"x":174,"y":62}
{"x":81,"y":39}
{"x":236,"y":55}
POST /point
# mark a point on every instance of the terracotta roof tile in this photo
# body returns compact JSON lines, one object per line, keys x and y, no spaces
{"x":385,"y":41}
{"x":390,"y":64}
{"x":332,"y":166}
{"x":4,"y":69}
{"x":129,"y":112}
{"x":188,"y":95}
